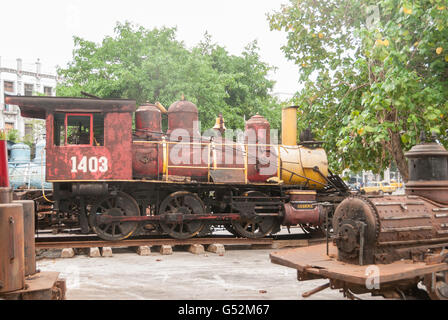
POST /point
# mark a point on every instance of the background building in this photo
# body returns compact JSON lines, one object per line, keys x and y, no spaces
{"x":26,"y":79}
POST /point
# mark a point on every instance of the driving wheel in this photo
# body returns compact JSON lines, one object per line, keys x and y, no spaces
{"x":120,"y":205}
{"x":175,"y":208}
{"x":255,"y":227}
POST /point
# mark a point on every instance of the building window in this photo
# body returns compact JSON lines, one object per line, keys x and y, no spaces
{"x":9,"y":108}
{"x":48,"y":91}
{"x":9,"y":126}
{"x":8,"y":86}
{"x":29,"y":88}
{"x":28,"y":129}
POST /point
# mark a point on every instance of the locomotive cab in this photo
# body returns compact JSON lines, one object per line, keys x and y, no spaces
{"x":86,"y":139}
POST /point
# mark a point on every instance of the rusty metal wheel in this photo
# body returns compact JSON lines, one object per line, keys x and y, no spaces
{"x":255,"y":227}
{"x":174,"y":208}
{"x":119,"y":205}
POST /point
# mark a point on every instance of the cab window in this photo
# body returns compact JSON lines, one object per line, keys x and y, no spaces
{"x":78,"y":129}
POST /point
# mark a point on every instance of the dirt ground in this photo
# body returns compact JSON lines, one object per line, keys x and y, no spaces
{"x":237,"y":275}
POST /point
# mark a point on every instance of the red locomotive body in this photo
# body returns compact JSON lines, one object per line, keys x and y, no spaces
{"x":86,"y":140}
{"x":100,"y":156}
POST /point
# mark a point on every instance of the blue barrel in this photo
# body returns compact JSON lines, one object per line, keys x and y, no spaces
{"x":20,"y":153}
{"x":26,"y":174}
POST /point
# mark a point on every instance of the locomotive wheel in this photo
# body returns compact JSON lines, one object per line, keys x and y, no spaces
{"x":120,"y":205}
{"x":174,"y":207}
{"x":257,"y":227}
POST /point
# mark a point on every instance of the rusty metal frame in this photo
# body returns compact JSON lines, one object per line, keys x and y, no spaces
{"x":314,"y":260}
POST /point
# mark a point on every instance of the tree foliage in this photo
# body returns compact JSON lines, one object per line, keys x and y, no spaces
{"x":152,"y":65}
{"x":373,"y":74}
{"x":13,"y":135}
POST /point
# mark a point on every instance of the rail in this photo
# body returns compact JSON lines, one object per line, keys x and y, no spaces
{"x":89,"y":241}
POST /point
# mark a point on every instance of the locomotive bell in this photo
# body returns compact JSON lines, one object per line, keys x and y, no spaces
{"x":219,"y":125}
{"x":428,"y":171}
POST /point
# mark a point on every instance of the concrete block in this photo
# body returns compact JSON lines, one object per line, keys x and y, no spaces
{"x":144,"y":250}
{"x":94,"y":252}
{"x":196,"y":249}
{"x":217,"y":248}
{"x":67,"y":253}
{"x":106,"y":252}
{"x":166,"y":250}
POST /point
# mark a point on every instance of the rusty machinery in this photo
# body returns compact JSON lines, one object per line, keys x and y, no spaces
{"x":19,"y":278}
{"x":404,"y":237}
{"x":118,"y":181}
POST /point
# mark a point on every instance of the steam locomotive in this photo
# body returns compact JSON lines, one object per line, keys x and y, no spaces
{"x":119,"y":181}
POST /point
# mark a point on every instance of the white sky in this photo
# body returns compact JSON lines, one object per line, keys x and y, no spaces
{"x":32,"y":29}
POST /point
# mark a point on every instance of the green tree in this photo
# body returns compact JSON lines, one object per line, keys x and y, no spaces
{"x":13,"y":135}
{"x":373,"y":75}
{"x":152,"y":65}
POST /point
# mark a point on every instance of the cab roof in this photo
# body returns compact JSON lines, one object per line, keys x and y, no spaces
{"x":38,"y":107}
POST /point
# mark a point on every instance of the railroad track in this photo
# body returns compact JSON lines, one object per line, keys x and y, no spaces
{"x":276,"y":242}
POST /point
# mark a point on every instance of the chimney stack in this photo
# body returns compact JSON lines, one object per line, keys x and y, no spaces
{"x":289,"y":126}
